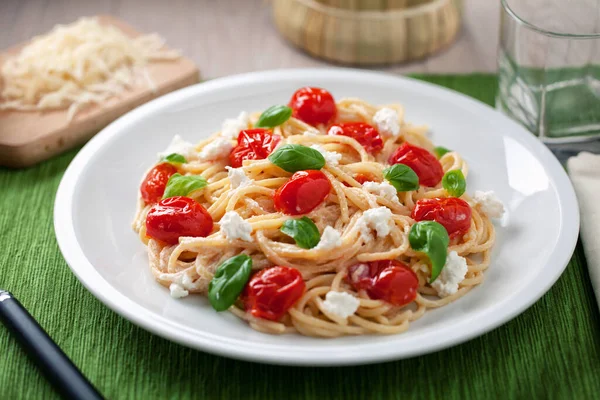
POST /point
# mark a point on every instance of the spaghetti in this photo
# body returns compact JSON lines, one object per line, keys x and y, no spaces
{"x":189,"y":265}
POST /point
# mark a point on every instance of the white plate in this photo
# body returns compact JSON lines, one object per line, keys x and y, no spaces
{"x":96,"y":200}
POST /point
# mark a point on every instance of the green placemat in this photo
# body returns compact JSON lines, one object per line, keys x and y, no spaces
{"x":550,"y":351}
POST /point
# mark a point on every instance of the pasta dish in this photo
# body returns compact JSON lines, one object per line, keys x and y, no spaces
{"x":318,"y":217}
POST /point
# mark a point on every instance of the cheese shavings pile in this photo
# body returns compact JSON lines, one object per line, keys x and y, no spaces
{"x":77,"y":65}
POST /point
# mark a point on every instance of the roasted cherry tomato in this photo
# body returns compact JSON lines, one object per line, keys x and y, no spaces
{"x":365,"y":134}
{"x":426,"y":166}
{"x":271,"y":292}
{"x":313,"y":105}
{"x":153,"y":186}
{"x":253,"y":144}
{"x":453,"y":213}
{"x":361,"y":178}
{"x":388,"y":280}
{"x":177,"y":216}
{"x":302,"y":193}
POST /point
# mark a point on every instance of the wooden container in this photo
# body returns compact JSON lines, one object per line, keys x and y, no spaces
{"x":373,"y":4}
{"x":369,"y":37}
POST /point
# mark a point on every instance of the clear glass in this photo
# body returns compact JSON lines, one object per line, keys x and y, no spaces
{"x":549,"y":70}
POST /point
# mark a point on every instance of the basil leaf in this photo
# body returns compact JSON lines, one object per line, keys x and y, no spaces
{"x":229,"y":281}
{"x":303,"y":231}
{"x":402,"y":177}
{"x":183,"y":185}
{"x":274,"y":116}
{"x":295,"y":157}
{"x":440,"y":151}
{"x":174,"y":158}
{"x":432,"y":239}
{"x":454,"y":183}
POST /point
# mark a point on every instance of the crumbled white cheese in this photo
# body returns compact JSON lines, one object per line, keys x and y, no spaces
{"x":232,"y":126}
{"x":181,"y":284}
{"x":330,"y":239}
{"x":387,"y":122}
{"x":382,"y":189}
{"x":331,"y":157}
{"x":452,"y":274}
{"x":335,"y":130}
{"x":489,"y":203}
{"x":216,"y":149}
{"x":234,"y":227}
{"x":237,"y":178}
{"x":379,"y":219}
{"x":179,"y":146}
{"x":341,"y":304}
{"x":177,"y":291}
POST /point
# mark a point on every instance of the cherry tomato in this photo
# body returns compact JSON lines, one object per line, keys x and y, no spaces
{"x":271,"y":292}
{"x":313,"y":105}
{"x":177,"y":216}
{"x":365,"y":134}
{"x":453,"y":213}
{"x":361,"y":178}
{"x":426,"y":166}
{"x":253,"y":144}
{"x":302,"y":193}
{"x":153,"y":186}
{"x":388,"y":280}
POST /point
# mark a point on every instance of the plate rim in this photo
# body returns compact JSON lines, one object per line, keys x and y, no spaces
{"x":85,"y":272}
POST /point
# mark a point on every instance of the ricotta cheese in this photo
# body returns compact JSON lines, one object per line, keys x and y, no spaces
{"x":238,"y":178}
{"x":453,"y":273}
{"x":180,"y":146}
{"x":232,"y":126}
{"x":382,"y":189}
{"x":331,"y":157}
{"x":378,"y":219}
{"x":387,"y":122}
{"x":234,"y":227}
{"x":218,"y":148}
{"x":341,"y":304}
{"x":330,"y":239}
{"x":489,"y":203}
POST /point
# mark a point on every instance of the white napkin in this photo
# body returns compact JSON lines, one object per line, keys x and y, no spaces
{"x":584,"y":170}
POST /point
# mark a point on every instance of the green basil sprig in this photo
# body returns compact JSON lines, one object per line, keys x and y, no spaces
{"x":402,"y":177}
{"x":295,"y":157}
{"x":183,"y":185}
{"x":432,"y":239}
{"x":274,"y":116}
{"x":229,"y":281}
{"x":440,"y":151}
{"x":174,"y":158}
{"x":454,"y":182}
{"x":303,"y":231}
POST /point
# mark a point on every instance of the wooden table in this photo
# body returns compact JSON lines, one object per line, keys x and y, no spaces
{"x":226,"y":37}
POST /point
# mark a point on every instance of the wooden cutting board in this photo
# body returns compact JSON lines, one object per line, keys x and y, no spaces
{"x":28,"y":137}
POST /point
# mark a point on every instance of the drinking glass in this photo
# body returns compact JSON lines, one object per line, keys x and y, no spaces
{"x":549,"y":70}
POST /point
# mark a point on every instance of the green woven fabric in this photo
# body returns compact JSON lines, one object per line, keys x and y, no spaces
{"x":550,"y":351}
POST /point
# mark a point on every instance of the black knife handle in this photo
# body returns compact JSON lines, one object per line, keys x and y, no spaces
{"x":54,"y":364}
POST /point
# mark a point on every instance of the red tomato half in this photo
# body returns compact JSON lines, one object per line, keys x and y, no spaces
{"x":313,"y":105}
{"x":388,"y":280}
{"x":153,"y":186}
{"x":426,"y":166}
{"x":253,"y":144}
{"x":365,"y":134}
{"x":453,"y":213}
{"x":271,"y":292}
{"x":177,"y":216}
{"x":302,"y":193}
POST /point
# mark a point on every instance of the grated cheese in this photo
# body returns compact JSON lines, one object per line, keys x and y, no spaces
{"x":76,"y":65}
